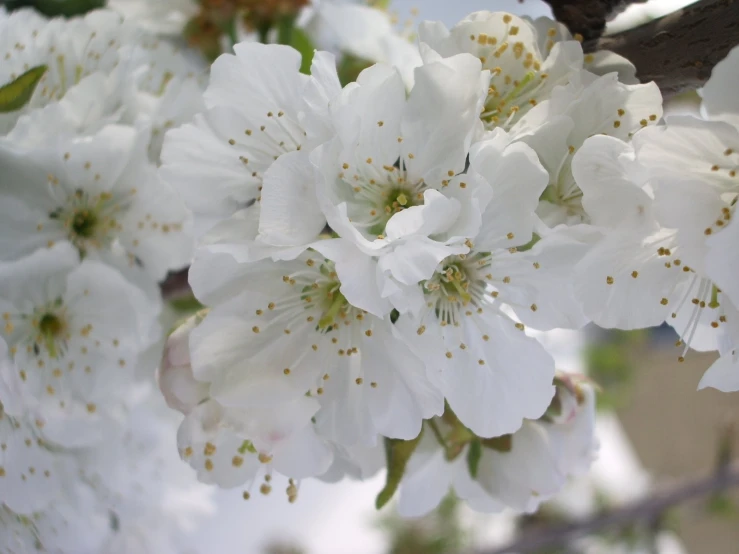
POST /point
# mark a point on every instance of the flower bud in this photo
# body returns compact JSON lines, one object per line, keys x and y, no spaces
{"x":178,"y":385}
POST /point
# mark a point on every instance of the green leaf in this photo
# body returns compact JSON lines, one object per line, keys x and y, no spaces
{"x":303,"y":44}
{"x":504,"y":443}
{"x":397,"y":453}
{"x":16,"y":94}
{"x":53,"y":8}
{"x":473,"y":457}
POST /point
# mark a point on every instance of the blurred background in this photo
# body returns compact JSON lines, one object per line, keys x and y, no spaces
{"x":656,"y":433}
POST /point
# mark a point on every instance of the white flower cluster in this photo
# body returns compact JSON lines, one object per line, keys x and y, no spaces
{"x":668,"y":203}
{"x":375,"y":260}
{"x":87,"y":229}
{"x":371,"y":258}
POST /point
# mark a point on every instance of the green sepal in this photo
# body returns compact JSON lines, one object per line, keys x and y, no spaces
{"x":474,"y":453}
{"x":17,"y":93}
{"x":504,"y":443}
{"x":397,"y":454}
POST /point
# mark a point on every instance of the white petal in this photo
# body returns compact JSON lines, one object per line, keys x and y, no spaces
{"x":722,"y":375}
{"x":290,"y":214}
{"x":358,"y":274}
{"x":625,"y":283}
{"x":260,"y":78}
{"x":722,"y":260}
{"x":517,"y":179}
{"x":612,"y":195}
{"x":718,"y":93}
{"x":442,"y":117}
{"x":491,"y":373}
{"x":427,"y":478}
{"x":690,"y":147}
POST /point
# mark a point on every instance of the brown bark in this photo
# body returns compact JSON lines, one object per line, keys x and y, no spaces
{"x":587,"y":17}
{"x":678,"y":51}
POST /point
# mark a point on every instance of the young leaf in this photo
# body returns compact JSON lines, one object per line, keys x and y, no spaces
{"x":397,"y":453}
{"x":16,"y":94}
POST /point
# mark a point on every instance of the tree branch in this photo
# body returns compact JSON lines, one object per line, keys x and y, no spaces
{"x":678,"y":51}
{"x":646,"y":510}
{"x":588,"y":17}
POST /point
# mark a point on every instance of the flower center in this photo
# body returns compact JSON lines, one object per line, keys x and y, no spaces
{"x":90,"y":220}
{"x":84,"y":222}
{"x":455,"y":285}
{"x":51,"y":328}
{"x":507,"y":101}
{"x":396,"y":200}
{"x":50,"y":325}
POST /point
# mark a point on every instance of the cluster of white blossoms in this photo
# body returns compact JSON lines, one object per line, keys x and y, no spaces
{"x":375,"y":261}
{"x":371,"y":258}
{"x":88,"y":460}
{"x":668,"y":202}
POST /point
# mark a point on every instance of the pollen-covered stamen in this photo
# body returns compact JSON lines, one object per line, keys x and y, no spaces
{"x":501,"y":109}
{"x":312,"y":319}
{"x":90,"y":220}
{"x":723,"y":218}
{"x":703,"y":301}
{"x":284,"y":134}
{"x":515,"y":69}
{"x":457,"y":286}
{"x":379,"y":194}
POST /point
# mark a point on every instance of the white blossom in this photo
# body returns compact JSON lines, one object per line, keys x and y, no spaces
{"x":518,"y":471}
{"x":292,"y":331}
{"x":73,"y":50}
{"x":71,"y":356}
{"x":259,"y":109}
{"x":166,"y":17}
{"x":558,"y":127}
{"x":98,"y":193}
{"x":522,"y":73}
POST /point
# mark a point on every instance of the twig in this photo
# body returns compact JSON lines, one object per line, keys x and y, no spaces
{"x":678,"y":51}
{"x":645,"y":510}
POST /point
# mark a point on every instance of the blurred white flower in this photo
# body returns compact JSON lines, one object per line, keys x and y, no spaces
{"x":100,"y":194}
{"x":72,"y":357}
